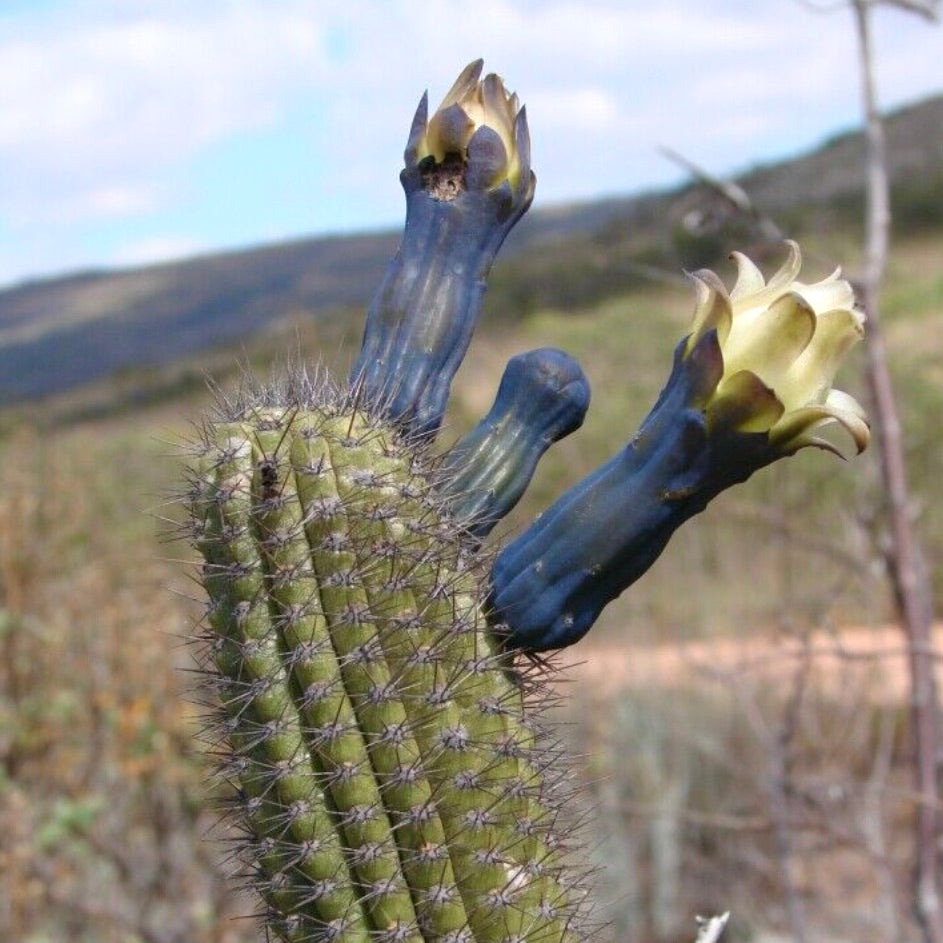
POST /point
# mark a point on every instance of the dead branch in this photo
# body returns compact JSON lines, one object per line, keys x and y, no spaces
{"x":732,"y":193}
{"x":905,"y":562}
{"x":700,"y":819}
{"x":928,"y":9}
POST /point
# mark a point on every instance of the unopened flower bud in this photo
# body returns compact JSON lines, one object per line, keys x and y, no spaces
{"x":481,"y":129}
{"x":543,"y":396}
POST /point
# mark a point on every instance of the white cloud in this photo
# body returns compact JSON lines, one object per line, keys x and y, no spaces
{"x":108,"y":201}
{"x":574,"y":110}
{"x":119,"y":96}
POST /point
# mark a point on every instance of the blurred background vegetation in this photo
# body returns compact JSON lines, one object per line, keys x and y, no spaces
{"x":740,"y":713}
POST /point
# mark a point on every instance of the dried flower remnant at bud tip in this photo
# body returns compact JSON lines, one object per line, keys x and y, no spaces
{"x":781,"y":343}
{"x":477,"y":139}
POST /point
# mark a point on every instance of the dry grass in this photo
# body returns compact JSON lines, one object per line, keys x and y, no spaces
{"x":101,"y":797}
{"x":766,"y":777}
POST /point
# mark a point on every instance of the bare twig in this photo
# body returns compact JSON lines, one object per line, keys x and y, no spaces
{"x":732,"y":193}
{"x":780,"y":750}
{"x":928,"y":9}
{"x":905,"y":561}
{"x":694,"y":817}
{"x":873,"y":825}
{"x":786,"y":529}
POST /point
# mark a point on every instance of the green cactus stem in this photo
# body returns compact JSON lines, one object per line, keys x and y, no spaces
{"x":389,"y":765}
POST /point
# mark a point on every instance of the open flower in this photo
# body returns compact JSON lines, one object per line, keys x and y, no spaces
{"x":750,"y":385}
{"x":480,"y":123}
{"x":781,"y":343}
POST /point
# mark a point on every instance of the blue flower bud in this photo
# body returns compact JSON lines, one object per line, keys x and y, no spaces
{"x":543,"y":396}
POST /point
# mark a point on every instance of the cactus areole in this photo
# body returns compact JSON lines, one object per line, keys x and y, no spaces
{"x":392,"y":780}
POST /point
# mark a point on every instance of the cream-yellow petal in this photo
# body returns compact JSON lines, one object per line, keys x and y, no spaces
{"x":464,"y":85}
{"x":840,"y":400}
{"x":496,"y":112}
{"x":797,"y":423}
{"x":830,"y":293}
{"x":748,"y":306}
{"x":812,"y":373}
{"x":745,"y":403}
{"x":711,"y":307}
{"x":811,"y":441}
{"x":781,"y":342}
{"x":786,"y":274}
{"x":470,"y":105}
{"x":749,"y":278}
{"x":496,"y":101}
{"x":449,"y":130}
{"x":855,"y":426}
{"x":775,"y":340}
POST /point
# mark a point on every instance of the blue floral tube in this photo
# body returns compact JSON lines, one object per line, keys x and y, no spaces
{"x":466,"y":186}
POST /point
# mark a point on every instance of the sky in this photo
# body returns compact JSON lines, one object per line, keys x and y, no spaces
{"x":137,"y":131}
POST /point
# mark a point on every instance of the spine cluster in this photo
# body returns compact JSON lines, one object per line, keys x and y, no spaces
{"x":388,"y":768}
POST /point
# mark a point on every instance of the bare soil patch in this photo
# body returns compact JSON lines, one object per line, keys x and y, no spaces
{"x":872,"y":660}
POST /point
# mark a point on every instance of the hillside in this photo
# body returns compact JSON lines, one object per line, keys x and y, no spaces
{"x":58,"y":334}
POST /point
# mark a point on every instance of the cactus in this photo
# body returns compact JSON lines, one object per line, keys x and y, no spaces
{"x":391,"y":780}
{"x":392,"y":776}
